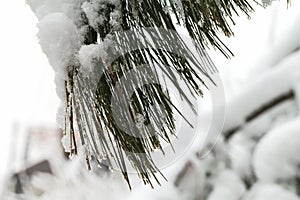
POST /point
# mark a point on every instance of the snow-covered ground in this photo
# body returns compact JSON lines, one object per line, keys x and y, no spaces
{"x":263,"y":48}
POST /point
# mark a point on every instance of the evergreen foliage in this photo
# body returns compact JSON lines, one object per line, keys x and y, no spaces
{"x":106,"y":138}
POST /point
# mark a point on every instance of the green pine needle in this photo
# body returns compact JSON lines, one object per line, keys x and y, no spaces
{"x":90,"y":110}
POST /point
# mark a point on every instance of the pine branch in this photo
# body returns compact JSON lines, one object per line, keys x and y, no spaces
{"x":119,"y":122}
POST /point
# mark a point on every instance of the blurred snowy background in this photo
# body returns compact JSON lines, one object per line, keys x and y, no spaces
{"x":28,"y":96}
{"x":257,"y":157}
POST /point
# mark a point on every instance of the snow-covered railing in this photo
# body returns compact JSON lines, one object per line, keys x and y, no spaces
{"x":271,"y":100}
{"x":275,"y":87}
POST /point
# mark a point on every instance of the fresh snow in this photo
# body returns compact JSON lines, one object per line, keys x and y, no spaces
{"x":93,"y":9}
{"x":276,"y":157}
{"x":262,"y":191}
{"x":59,"y":40}
{"x":90,"y":57}
{"x":228,"y":185}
